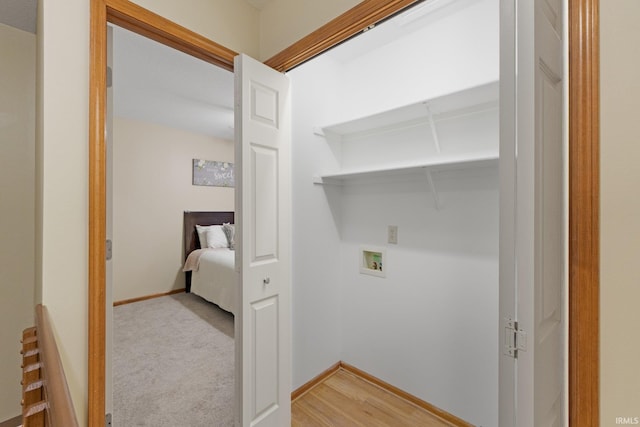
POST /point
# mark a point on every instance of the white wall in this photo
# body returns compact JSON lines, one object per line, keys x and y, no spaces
{"x":453,"y":54}
{"x":284,"y":22}
{"x":429,"y":327}
{"x":152,"y":189}
{"x":316,"y":279}
{"x":62,"y":158}
{"x":17,"y":210}
{"x":619,"y":210}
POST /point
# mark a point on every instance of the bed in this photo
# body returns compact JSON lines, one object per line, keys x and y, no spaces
{"x":210,"y":273}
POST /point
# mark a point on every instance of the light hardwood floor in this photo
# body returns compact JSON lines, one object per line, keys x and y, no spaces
{"x":346,"y":400}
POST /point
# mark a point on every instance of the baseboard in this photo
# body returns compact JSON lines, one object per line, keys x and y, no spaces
{"x":13,"y":422}
{"x":406,"y":396}
{"x":146,"y":297}
{"x":446,"y":416}
{"x":314,"y":381}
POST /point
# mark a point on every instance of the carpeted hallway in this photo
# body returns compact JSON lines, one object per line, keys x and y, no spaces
{"x":173,"y":363}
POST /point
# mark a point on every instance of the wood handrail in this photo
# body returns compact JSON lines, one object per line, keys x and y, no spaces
{"x":53,"y":406}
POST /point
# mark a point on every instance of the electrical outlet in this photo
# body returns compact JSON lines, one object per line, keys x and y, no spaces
{"x":392,"y":234}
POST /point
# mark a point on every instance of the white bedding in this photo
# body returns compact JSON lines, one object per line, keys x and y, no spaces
{"x":215,"y":278}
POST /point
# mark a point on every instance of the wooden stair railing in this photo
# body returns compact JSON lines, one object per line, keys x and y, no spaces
{"x":46,"y":401}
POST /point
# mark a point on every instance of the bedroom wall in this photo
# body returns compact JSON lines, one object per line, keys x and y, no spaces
{"x":152,"y":188}
{"x":430,"y":326}
{"x":17,"y":206}
{"x":619,"y":210}
{"x":284,"y":22}
{"x":62,"y":160}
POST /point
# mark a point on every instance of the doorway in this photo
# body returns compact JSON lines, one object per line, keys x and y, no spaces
{"x":143,"y":22}
{"x":583,"y":297}
{"x":169,"y":108}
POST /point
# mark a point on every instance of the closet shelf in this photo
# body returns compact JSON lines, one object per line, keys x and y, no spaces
{"x":467,"y":101}
{"x":423,"y":169}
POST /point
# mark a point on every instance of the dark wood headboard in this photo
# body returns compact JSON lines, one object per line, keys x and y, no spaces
{"x":191,"y":242}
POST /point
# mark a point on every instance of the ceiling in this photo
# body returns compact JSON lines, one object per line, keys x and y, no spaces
{"x":158,"y":84}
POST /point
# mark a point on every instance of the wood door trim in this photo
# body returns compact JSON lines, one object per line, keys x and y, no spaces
{"x":345,"y":26}
{"x":146,"y":23}
{"x":97,"y":214}
{"x":584,"y":209}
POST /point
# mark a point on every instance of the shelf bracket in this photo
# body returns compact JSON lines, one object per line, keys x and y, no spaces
{"x":318,"y":180}
{"x":317,"y":130}
{"x":432,"y":125}
{"x":432,"y":186}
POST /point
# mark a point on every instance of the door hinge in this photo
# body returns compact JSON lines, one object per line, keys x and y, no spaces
{"x":514,"y":338}
{"x":107,"y":420}
{"x":109,"y":249}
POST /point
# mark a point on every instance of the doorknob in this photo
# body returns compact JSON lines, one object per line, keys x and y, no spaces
{"x":266,"y":281}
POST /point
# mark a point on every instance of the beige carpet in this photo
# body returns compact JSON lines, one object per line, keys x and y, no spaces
{"x":173,"y":363}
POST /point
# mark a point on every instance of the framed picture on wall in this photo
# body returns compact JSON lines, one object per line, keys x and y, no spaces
{"x":213,"y":173}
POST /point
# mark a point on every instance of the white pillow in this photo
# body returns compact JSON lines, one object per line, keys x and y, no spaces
{"x":216,"y":237}
{"x":202,"y":234}
{"x":211,"y":236}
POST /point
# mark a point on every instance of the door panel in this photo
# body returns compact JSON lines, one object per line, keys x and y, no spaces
{"x":265,"y":323}
{"x":533,"y":212}
{"x":264,"y":161}
{"x":549,"y":259}
{"x":263,"y":223}
{"x":264,"y":105}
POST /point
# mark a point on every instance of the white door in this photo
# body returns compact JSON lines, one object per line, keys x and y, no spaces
{"x":532,"y":214}
{"x":263,"y":253}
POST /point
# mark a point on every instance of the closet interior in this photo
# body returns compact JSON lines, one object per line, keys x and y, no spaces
{"x":395,"y":153}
